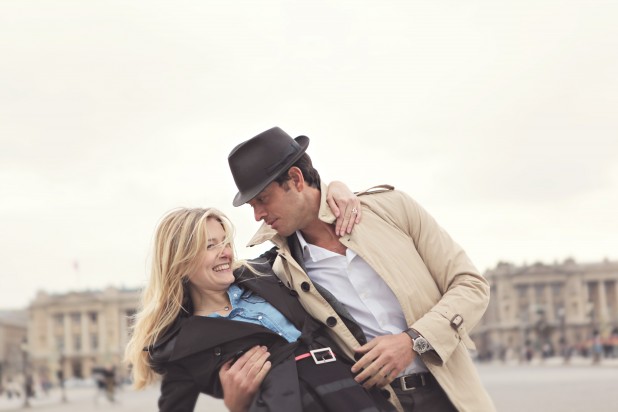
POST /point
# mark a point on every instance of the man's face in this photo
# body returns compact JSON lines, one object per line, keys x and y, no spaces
{"x":280,"y":206}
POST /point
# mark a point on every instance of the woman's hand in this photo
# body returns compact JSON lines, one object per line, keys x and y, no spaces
{"x":345,"y":206}
{"x":241,"y":379}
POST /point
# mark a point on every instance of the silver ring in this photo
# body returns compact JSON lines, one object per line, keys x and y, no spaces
{"x":354,"y":211}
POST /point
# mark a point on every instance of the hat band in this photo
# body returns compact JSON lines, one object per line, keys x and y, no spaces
{"x":291,"y":152}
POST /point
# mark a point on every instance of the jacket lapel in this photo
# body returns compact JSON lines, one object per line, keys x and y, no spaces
{"x":199,"y":333}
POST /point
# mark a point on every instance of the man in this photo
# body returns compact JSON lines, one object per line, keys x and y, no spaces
{"x":398,"y":275}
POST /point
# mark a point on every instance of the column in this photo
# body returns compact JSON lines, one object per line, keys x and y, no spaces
{"x":68,"y":342}
{"x":85,"y":338}
{"x":614,"y":314}
{"x":603,"y":317}
{"x":550,"y":313}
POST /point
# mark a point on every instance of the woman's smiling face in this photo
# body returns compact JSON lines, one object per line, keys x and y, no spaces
{"x":214,"y":270}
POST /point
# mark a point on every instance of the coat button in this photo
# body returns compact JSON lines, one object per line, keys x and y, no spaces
{"x":386,"y":393}
{"x":331,"y":321}
{"x":293,"y":293}
{"x":217,"y":351}
{"x":305,"y":286}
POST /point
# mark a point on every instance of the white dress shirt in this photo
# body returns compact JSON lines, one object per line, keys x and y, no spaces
{"x":363,"y":292}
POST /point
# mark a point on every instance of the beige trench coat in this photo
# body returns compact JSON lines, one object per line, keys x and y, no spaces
{"x":440,"y":291}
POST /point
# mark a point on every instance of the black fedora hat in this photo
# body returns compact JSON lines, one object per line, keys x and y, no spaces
{"x":258,"y":161}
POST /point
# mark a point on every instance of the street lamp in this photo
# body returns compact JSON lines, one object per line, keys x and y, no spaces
{"x":27,"y":381}
{"x":564,"y":347}
{"x":60,"y":375}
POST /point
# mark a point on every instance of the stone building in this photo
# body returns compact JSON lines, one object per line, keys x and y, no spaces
{"x":547,"y":309}
{"x":72,"y":333}
{"x":13,"y":329}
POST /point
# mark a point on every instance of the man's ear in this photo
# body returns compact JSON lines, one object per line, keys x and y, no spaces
{"x":297,"y":178}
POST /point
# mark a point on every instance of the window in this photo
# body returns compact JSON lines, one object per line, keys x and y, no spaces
{"x":76,"y":318}
{"x":94,"y":341}
{"x":539,"y":293}
{"x":94,"y":317}
{"x":130,"y":317}
{"x":60,"y":343}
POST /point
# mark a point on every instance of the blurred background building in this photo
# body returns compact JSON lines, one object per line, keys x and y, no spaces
{"x":71,"y":334}
{"x":13,"y":330}
{"x":550,"y":310}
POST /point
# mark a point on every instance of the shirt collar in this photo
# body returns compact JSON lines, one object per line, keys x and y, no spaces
{"x":234,"y":292}
{"x":315,"y":253}
{"x":304,"y":246}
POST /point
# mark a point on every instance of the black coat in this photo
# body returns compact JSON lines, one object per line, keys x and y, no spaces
{"x":193,"y":349}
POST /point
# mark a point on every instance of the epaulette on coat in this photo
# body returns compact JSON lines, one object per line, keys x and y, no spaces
{"x":375,"y":189}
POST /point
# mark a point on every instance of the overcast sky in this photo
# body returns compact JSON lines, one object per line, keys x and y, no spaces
{"x":499,"y":117}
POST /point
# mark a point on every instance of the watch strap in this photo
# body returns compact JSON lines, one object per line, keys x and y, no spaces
{"x":413,"y":334}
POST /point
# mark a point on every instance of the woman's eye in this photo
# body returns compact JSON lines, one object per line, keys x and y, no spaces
{"x":215,"y":245}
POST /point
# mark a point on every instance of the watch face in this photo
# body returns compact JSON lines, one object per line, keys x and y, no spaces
{"x":421,"y":345}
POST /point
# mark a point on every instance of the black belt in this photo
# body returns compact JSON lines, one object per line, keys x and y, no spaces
{"x":414,"y":381}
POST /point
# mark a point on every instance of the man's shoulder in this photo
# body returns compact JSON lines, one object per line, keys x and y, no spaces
{"x":387,"y":202}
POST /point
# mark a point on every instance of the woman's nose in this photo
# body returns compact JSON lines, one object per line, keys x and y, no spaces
{"x":227,"y":250}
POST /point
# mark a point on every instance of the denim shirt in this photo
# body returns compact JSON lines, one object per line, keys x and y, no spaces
{"x":248,"y":306}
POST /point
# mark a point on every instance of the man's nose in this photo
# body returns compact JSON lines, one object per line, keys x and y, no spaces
{"x":259,"y":213}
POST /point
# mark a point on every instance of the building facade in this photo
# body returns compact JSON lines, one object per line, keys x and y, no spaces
{"x":13,"y":329}
{"x":548,"y":309}
{"x":70,"y":334}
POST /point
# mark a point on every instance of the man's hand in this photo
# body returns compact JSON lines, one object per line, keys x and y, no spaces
{"x":345,"y":205}
{"x":241,"y":380}
{"x":383,"y":359}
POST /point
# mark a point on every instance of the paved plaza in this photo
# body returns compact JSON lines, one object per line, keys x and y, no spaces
{"x":548,"y":387}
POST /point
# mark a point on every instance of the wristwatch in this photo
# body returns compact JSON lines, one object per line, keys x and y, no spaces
{"x":419,"y":343}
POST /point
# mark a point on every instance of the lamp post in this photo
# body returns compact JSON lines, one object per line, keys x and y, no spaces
{"x":525,"y":350}
{"x":60,"y":375}
{"x":27,"y":381}
{"x":564,"y":347}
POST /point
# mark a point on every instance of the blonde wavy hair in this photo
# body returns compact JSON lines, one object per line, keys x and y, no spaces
{"x":180,"y":239}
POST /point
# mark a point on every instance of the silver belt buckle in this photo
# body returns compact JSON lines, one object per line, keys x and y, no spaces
{"x":323,"y":355}
{"x":404,"y":385}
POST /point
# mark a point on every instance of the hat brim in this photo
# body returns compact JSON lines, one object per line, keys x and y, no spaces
{"x":247,"y":195}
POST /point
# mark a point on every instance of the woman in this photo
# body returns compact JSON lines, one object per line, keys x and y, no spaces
{"x":202,"y":309}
